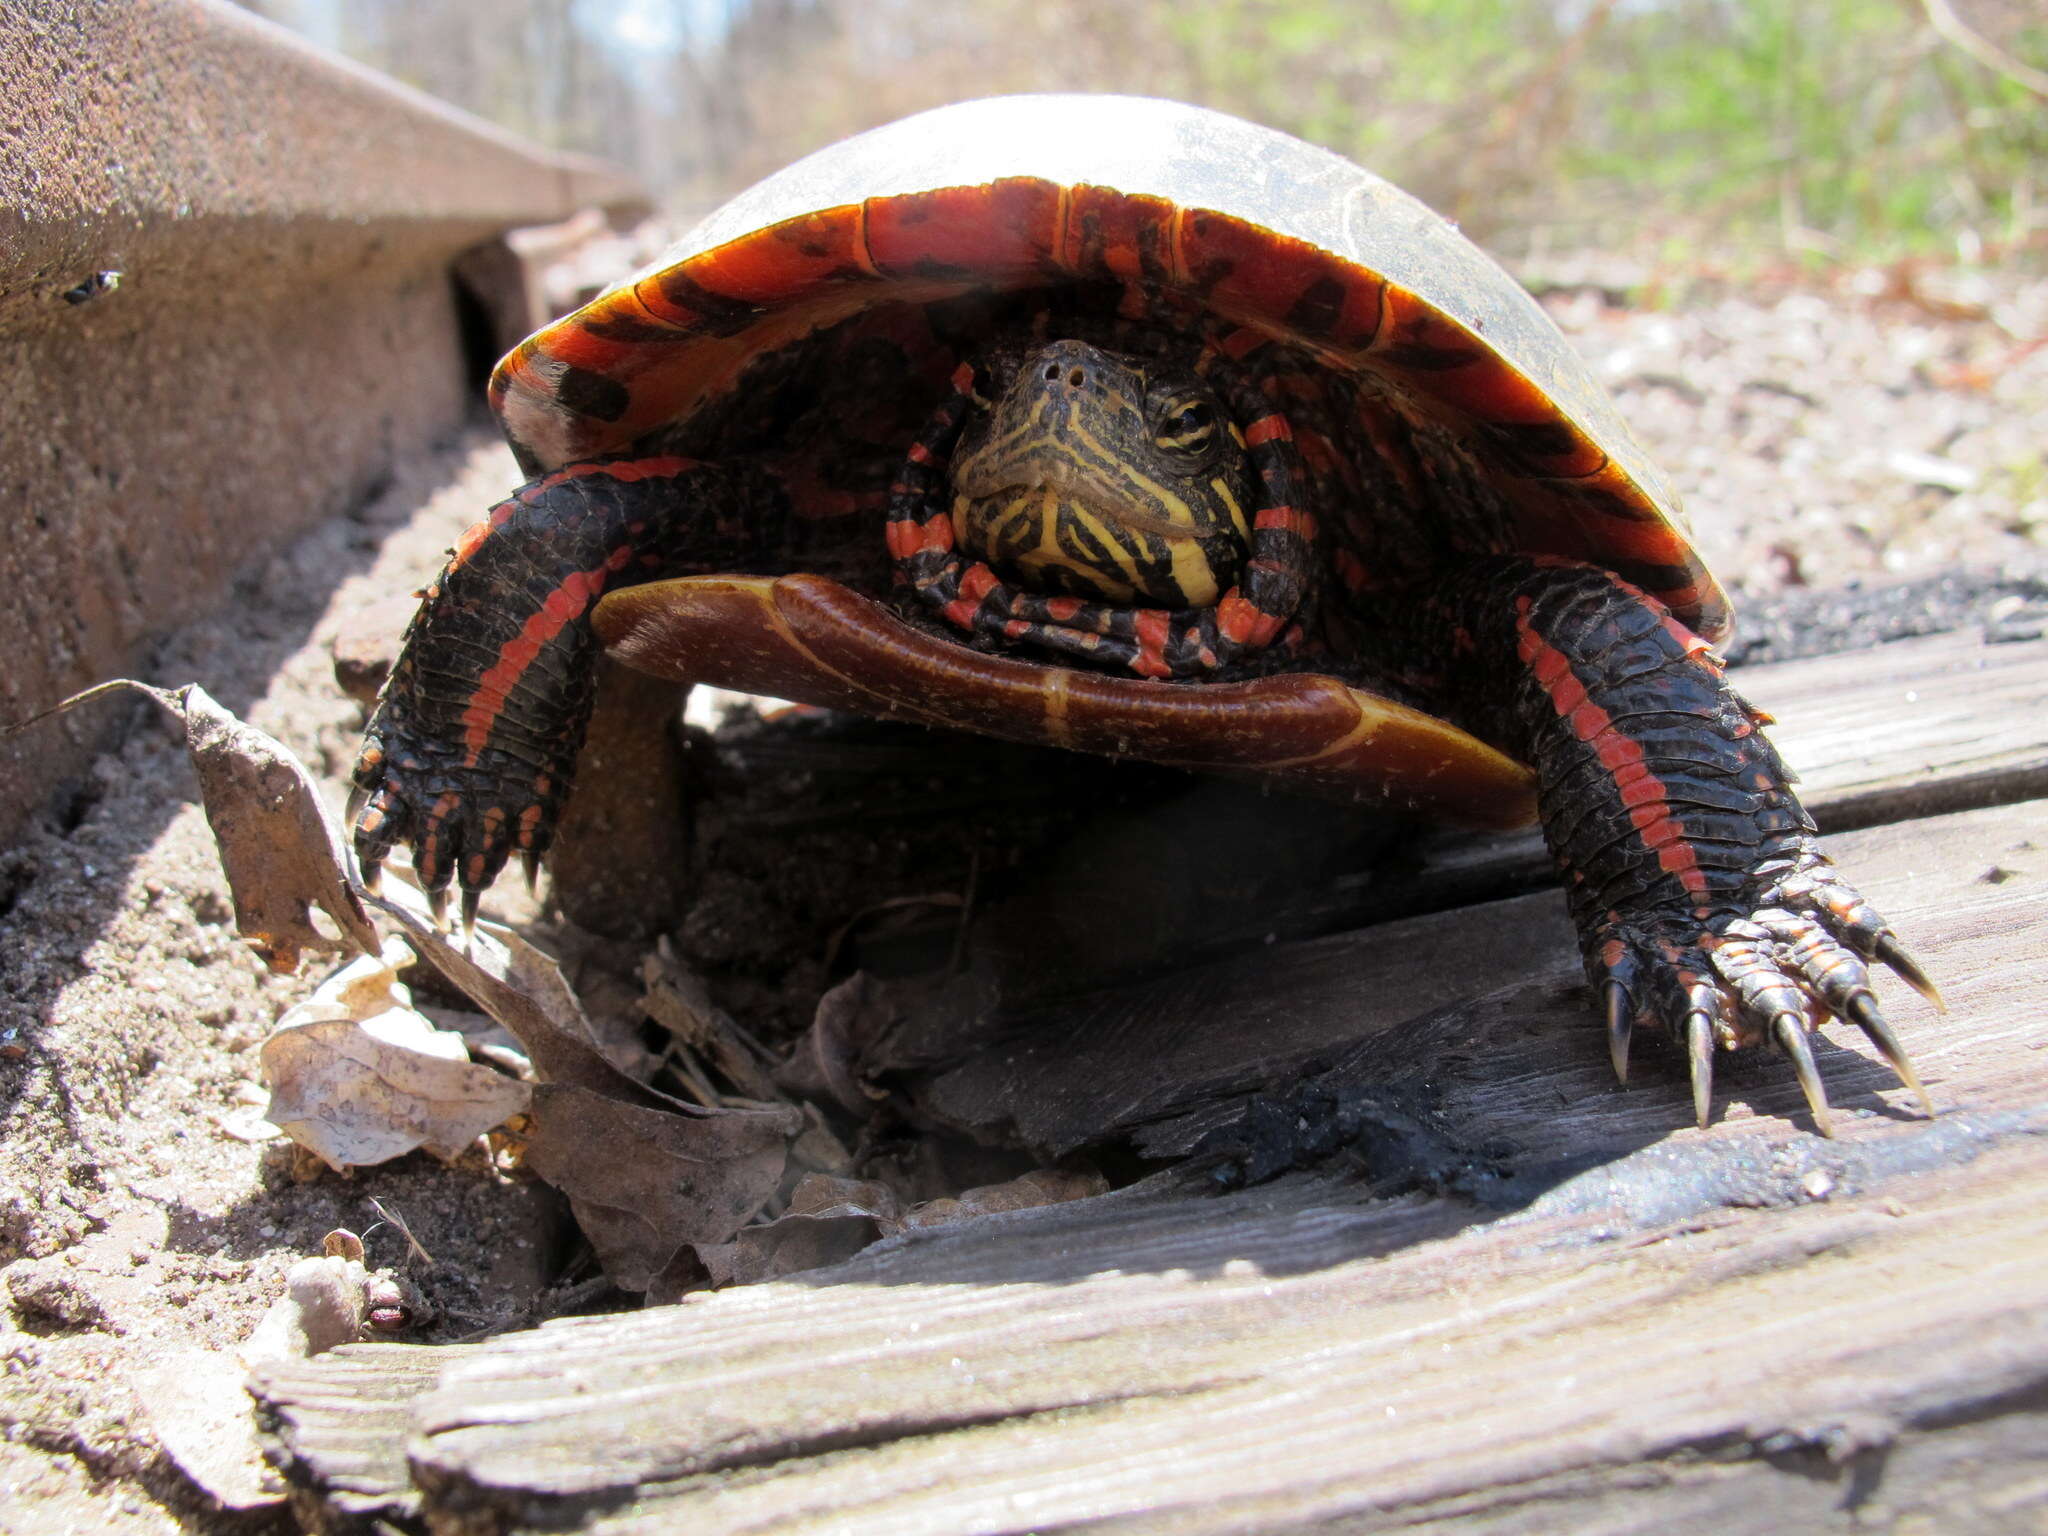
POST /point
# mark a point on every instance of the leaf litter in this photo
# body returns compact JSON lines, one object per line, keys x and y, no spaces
{"x":359,"y":1076}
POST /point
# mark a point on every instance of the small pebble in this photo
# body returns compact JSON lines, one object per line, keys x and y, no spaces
{"x":1818,"y":1183}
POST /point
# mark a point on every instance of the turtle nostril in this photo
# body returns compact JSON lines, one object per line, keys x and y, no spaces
{"x":1052,"y":373}
{"x":1077,"y":378}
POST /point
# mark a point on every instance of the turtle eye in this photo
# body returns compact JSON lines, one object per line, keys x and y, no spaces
{"x":1188,"y":425}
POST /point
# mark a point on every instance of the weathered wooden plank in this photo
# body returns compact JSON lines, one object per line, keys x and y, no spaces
{"x":1899,"y":730}
{"x":1364,"y":1395}
{"x":1522,"y":1062}
{"x":1674,"y":1309}
{"x":1503,"y":1367}
{"x":358,"y":1476}
{"x":1914,"y":728}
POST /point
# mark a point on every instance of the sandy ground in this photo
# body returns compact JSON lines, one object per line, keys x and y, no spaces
{"x":1820,"y":438}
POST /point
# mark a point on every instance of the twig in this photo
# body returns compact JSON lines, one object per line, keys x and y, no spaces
{"x":678,"y":1001}
{"x":172,"y":699}
{"x":1953,"y":29}
{"x":691,"y":1075}
{"x":404,"y":1231}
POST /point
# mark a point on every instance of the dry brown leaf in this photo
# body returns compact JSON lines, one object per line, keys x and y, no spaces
{"x":827,"y":1062}
{"x":1041,"y":1186}
{"x":646,"y":1183}
{"x":828,"y":1220}
{"x":646,"y":1175}
{"x":522,"y":989}
{"x":281,"y":851}
{"x":791,"y":1244}
{"x":357,"y":1076}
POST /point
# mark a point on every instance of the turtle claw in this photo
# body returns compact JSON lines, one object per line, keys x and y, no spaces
{"x":1862,"y":1012}
{"x":1699,"y":1052}
{"x":462,"y":815}
{"x":373,"y":821}
{"x":1789,"y":1030}
{"x":1888,"y":949}
{"x":470,"y":898}
{"x":1799,"y":955}
{"x":1621,"y":1021}
{"x":351,"y":813}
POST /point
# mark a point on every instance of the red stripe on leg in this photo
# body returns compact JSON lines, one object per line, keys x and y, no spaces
{"x":1266,"y":428}
{"x":1150,"y":627}
{"x":1639,"y":789}
{"x":1288,"y":520}
{"x":567,"y":603}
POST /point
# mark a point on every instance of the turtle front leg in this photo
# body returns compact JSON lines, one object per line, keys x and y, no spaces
{"x":1701,"y":898}
{"x":472,"y":747}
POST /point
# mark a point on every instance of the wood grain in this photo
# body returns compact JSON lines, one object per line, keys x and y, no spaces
{"x":1602,"y":1319}
{"x":1484,"y":1012}
{"x":1915,"y":728}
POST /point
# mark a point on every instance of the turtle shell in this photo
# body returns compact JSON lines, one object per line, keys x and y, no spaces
{"x":1046,"y":192}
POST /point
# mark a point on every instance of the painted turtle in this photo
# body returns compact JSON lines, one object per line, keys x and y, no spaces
{"x":1130,"y":427}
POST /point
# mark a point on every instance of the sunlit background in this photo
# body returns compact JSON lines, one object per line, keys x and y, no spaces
{"x":1832,"y":130}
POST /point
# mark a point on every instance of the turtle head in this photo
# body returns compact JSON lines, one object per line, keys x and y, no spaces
{"x":1092,"y":474}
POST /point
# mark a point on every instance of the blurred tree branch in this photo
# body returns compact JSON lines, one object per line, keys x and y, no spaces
{"x":1943,"y":18}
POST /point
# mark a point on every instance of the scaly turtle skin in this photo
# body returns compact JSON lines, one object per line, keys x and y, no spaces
{"x":1136,"y":429}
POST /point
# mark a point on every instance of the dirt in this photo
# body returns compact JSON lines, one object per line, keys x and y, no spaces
{"x":1828,"y":444}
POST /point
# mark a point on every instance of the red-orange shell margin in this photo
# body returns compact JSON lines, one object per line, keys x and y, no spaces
{"x":1312,"y":249}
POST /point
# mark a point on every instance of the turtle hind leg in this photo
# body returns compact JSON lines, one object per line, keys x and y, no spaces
{"x":471,"y":749}
{"x":1702,"y":900}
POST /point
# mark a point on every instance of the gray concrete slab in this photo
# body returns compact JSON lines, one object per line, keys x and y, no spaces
{"x":285,"y":326}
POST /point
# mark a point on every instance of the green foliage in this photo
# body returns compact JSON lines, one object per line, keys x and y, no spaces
{"x":1826,"y":128}
{"x":1833,"y":126}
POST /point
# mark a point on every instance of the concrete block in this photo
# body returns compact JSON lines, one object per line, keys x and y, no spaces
{"x":286,"y":323}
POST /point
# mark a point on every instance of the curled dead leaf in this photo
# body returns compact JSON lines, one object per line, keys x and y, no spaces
{"x":279,"y":847}
{"x":357,"y":1076}
{"x":827,"y":1062}
{"x":281,"y":851}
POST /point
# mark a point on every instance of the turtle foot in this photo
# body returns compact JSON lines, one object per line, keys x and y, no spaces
{"x":463,"y":816}
{"x":1770,"y":975}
